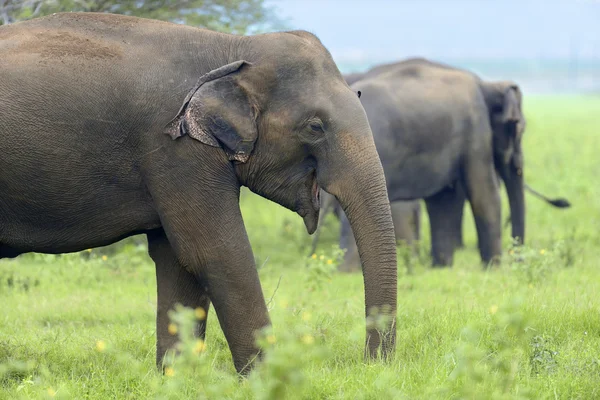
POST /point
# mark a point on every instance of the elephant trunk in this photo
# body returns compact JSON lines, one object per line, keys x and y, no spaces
{"x":362,"y":194}
{"x":513,"y":180}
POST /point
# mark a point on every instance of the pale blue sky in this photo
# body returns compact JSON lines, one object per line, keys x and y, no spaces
{"x":380,"y":30}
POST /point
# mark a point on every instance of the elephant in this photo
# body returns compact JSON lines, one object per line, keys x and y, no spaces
{"x":443,"y":135}
{"x":446,"y":218}
{"x":113,"y":126}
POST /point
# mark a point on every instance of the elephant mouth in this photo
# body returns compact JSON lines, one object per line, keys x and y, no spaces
{"x":316,"y":194}
{"x":310,"y":214}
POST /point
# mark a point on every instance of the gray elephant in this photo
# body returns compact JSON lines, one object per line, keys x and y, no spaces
{"x":445,"y":135}
{"x":112,"y":126}
{"x":438,"y":129}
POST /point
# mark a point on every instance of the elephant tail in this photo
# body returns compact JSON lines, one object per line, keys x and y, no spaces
{"x":558,"y":202}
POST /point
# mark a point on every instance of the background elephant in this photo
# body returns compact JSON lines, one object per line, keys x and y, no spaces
{"x":113,"y":126}
{"x":446,"y":232}
{"x":441,"y":132}
{"x":498,"y":107}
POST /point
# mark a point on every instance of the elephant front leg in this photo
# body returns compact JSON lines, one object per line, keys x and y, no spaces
{"x":484,"y":196}
{"x":175,"y":285}
{"x":442,"y":209}
{"x":211,"y":241}
{"x":203,"y":223}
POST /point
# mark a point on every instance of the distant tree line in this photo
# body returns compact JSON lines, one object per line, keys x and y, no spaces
{"x":233,"y":16}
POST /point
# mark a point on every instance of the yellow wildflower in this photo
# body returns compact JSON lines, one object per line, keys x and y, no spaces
{"x":493,"y":309}
{"x":104,"y":258}
{"x":511,"y":252}
{"x":306,"y":316}
{"x":169,"y":371}
{"x":314,"y":256}
{"x":308,"y":339}
{"x":200,"y":313}
{"x":51,"y":392}
{"x":89,"y":250}
{"x":172,"y":329}
{"x":530,"y":286}
{"x":330,"y":261}
{"x":542,"y":251}
{"x":200,"y":346}
{"x":322,"y":257}
{"x":100,"y":346}
{"x":271,"y":339}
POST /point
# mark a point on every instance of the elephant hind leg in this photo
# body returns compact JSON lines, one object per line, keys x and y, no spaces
{"x":482,"y":191}
{"x":457,"y":213}
{"x":417,"y":220}
{"x":443,"y":209}
{"x":405,"y":223}
{"x":175,"y":285}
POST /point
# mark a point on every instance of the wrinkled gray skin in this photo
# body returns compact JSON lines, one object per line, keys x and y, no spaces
{"x":405,"y":214}
{"x":113,"y":126}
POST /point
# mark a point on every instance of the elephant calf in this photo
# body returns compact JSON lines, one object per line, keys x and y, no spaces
{"x":112,"y":126}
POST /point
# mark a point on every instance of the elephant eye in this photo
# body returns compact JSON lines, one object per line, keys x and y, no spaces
{"x":316,"y":126}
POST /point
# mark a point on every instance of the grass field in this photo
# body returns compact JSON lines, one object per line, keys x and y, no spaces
{"x":83,"y":328}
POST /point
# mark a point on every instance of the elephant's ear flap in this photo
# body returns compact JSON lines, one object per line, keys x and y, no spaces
{"x":220,"y":112}
{"x":511,"y":107}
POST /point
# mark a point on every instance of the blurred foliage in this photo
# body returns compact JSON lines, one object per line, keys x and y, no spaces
{"x":232,"y":16}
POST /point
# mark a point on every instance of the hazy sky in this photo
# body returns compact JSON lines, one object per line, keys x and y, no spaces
{"x":359,"y":30}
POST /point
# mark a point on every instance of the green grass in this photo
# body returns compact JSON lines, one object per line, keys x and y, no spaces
{"x":529,"y":329}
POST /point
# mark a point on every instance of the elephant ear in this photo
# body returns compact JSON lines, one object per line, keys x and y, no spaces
{"x":506,"y":104}
{"x":219,"y":112}
{"x":504,"y":100}
{"x":511,"y":108}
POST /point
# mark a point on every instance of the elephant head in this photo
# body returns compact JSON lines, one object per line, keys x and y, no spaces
{"x":504,"y":102}
{"x":290,"y":125}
